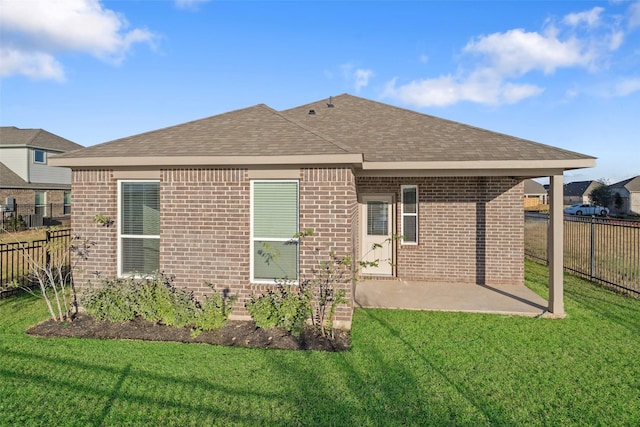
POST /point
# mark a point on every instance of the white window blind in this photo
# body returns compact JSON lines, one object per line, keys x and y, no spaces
{"x":274,"y":224}
{"x":410,"y":214}
{"x":139,"y":227}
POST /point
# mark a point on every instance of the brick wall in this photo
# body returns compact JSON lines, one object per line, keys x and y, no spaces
{"x":27,"y":198}
{"x":205,"y":228}
{"x":328,"y":205}
{"x":470,"y":229}
{"x":95,"y":193}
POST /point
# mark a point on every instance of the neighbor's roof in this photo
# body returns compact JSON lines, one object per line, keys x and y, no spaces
{"x":11,"y":136}
{"x":367,"y":134}
{"x":9,"y":179}
{"x":631,"y":184}
{"x":533,"y":187}
{"x":578,"y":188}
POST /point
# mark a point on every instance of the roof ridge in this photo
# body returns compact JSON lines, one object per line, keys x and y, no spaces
{"x":338,"y":144}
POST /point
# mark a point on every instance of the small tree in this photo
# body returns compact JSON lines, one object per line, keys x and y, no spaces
{"x":51,"y":270}
{"x":601,"y":195}
{"x":317,"y":297}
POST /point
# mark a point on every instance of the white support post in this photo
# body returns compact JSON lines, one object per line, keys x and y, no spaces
{"x":555,"y":246}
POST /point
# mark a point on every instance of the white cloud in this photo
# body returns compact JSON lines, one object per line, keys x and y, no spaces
{"x":589,"y":17}
{"x":448,"y":90}
{"x":627,"y":86}
{"x":359,"y":77}
{"x":492,"y":67}
{"x":517,"y":52}
{"x":33,"y":65}
{"x":34,"y":31}
{"x":362,"y":78}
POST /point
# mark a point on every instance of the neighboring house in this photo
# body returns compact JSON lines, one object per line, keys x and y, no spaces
{"x":579,"y":191}
{"x":534,"y":194}
{"x":27,"y":180}
{"x":629,"y":200}
{"x":210,"y":200}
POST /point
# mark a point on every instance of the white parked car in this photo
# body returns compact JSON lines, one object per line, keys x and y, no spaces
{"x":585,"y":209}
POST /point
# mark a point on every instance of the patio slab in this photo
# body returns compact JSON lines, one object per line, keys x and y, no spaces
{"x":412,"y":295}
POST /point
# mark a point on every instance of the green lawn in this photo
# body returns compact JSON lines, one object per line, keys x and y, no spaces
{"x":404,"y":368}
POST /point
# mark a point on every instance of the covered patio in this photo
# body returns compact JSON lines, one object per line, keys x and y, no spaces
{"x":514,"y":300}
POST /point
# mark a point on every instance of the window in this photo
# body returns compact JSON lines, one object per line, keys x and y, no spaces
{"x":274,"y":222}
{"x":40,"y":203}
{"x":409,"y":214}
{"x":139,"y":227}
{"x":39,"y":156}
{"x":67,"y":203}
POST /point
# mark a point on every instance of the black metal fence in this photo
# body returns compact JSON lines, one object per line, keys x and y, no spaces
{"x":17,"y":259}
{"x":602,"y":250}
{"x":25,"y":216}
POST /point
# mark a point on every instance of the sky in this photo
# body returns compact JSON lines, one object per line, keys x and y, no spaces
{"x":565,"y":74}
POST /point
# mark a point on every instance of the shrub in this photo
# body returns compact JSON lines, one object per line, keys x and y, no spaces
{"x":213,"y":312}
{"x":113,"y":301}
{"x":283,"y":308}
{"x":156,"y":300}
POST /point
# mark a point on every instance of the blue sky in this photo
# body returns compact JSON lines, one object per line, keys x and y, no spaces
{"x":561,"y":73}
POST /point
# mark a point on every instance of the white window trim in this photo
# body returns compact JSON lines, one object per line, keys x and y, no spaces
{"x":44,"y":153}
{"x":119,"y":228}
{"x":403,"y":214}
{"x":252,"y":240}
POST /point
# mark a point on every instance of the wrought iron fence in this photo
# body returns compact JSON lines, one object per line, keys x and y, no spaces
{"x":18,"y":258}
{"x":23,"y":216}
{"x":600,"y":249}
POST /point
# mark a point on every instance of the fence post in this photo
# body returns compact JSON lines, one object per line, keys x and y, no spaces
{"x":592,"y":253}
{"x":47,"y":235}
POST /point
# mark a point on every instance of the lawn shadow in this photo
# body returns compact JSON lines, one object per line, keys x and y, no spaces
{"x":484,"y":408}
{"x":625,"y":313}
{"x":110,"y":384}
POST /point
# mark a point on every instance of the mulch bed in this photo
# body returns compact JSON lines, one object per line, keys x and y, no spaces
{"x":235,"y":334}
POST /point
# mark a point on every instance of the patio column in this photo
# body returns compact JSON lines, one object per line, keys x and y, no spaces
{"x":555,"y":245}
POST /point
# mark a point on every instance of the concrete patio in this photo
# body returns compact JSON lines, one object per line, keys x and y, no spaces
{"x":472,"y":298}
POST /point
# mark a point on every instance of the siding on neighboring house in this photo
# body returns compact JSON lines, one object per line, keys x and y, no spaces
{"x":18,"y":158}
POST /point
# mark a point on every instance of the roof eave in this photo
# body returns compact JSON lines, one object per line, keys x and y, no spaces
{"x":195,"y":161}
{"x":529,"y":168}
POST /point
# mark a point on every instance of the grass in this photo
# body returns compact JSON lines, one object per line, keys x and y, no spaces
{"x":404,"y":368}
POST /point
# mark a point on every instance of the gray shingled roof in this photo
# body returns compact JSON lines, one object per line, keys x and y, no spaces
{"x":380,"y":132}
{"x":386,"y":133}
{"x":253,"y":131}
{"x":577,"y":188}
{"x":533,"y":187}
{"x":36,"y":138}
{"x":631,"y":184}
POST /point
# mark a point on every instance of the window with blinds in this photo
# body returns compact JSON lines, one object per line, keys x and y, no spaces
{"x":139,"y":227}
{"x":410,"y":214}
{"x":274,"y":222}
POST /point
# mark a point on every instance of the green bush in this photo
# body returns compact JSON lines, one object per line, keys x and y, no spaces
{"x":156,"y":300}
{"x":214,"y":311}
{"x":283,"y":307}
{"x":113,"y":301}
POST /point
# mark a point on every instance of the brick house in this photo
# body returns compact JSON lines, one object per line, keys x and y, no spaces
{"x":579,"y":191}
{"x":201,"y":200}
{"x":627,"y":194}
{"x":27,"y":178}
